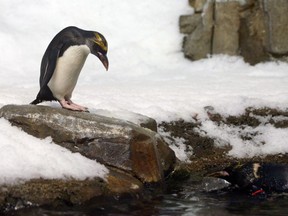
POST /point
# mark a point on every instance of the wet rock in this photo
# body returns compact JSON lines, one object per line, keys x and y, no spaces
{"x":50,"y":192}
{"x":68,"y":192}
{"x":210,"y":184}
{"x":114,"y":142}
{"x":119,"y":182}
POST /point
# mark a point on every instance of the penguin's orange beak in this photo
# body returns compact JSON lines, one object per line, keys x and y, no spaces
{"x":103,"y":58}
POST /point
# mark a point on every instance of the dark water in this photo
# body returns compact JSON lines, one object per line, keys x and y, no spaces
{"x":186,"y":198}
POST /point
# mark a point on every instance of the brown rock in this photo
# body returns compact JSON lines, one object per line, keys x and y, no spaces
{"x":55,"y":192}
{"x":50,"y":192}
{"x":144,"y":154}
{"x":122,"y":183}
{"x":114,"y":142}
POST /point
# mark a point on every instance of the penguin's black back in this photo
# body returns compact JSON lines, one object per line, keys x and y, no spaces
{"x":267,"y":176}
{"x":274,"y":177}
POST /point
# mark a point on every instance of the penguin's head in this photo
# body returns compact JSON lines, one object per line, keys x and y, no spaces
{"x":239,"y":174}
{"x":99,"y":47}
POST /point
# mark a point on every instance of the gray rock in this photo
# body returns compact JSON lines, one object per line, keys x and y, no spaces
{"x":197,"y":45}
{"x":210,"y":184}
{"x":198,"y":5}
{"x":276,"y":22}
{"x":188,"y":23}
{"x":226,"y":28}
{"x":252,"y":34}
{"x":136,"y":118}
{"x":114,"y":142}
{"x":254,"y":29}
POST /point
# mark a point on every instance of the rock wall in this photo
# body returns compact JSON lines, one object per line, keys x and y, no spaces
{"x":254,"y":29}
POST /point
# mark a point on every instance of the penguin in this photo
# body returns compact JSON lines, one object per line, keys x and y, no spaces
{"x":62,"y":63}
{"x":256,"y":179}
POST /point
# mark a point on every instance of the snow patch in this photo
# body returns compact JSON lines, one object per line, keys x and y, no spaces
{"x":182,"y":151}
{"x":148,"y":75}
{"x":24,"y":157}
{"x":247,"y":141}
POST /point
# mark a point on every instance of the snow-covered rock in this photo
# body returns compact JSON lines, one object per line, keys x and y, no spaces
{"x":111,"y":141}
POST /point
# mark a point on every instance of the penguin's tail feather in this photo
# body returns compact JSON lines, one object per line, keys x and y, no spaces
{"x":36,"y":101}
{"x":44,"y":94}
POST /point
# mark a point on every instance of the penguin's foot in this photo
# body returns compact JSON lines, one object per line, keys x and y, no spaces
{"x":72,"y":106}
{"x":78,"y":106}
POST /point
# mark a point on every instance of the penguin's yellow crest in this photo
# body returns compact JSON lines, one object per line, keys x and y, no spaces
{"x":99,"y":41}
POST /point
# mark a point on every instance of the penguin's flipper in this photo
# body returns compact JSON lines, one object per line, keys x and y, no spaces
{"x":48,"y":66}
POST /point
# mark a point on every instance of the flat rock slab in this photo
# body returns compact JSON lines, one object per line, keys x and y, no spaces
{"x":113,"y":142}
{"x":136,"y":118}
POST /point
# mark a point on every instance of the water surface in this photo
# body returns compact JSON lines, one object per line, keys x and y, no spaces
{"x":189,"y":198}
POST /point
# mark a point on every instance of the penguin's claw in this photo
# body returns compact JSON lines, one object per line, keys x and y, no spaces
{"x":72,"y":106}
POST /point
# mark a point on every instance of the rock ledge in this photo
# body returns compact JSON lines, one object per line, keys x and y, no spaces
{"x":134,"y":155}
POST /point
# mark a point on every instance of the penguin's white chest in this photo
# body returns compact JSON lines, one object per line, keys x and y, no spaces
{"x":66,"y":73}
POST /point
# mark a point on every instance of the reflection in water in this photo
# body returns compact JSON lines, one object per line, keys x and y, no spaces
{"x":190,"y":198}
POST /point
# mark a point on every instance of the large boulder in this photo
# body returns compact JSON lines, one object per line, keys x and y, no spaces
{"x":133,"y":155}
{"x":114,"y":142}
